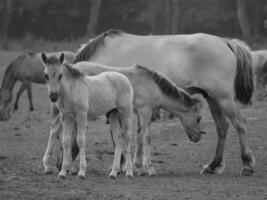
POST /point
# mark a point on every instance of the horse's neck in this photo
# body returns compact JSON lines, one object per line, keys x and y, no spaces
{"x":172,"y":105}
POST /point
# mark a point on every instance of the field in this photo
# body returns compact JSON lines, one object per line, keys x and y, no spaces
{"x":23,"y":141}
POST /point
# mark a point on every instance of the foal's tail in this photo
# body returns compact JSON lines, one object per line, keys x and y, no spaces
{"x":244,"y":84}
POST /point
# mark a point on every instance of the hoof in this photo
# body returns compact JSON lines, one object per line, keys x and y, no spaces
{"x":31,"y":109}
{"x":207,"y":170}
{"x":60,"y":176}
{"x":247,"y":172}
{"x":151,"y":171}
{"x":48,"y":172}
{"x":112,"y":176}
{"x":81,"y":177}
{"x":129,"y":176}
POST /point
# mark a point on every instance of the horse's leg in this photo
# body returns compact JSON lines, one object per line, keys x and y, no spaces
{"x":68,"y":123}
{"x":21,"y":90}
{"x":126,"y":121}
{"x":81,"y":120}
{"x":56,"y":128}
{"x":138,"y":155}
{"x":239,"y":122}
{"x":145,"y":116}
{"x":217,"y":165}
{"x":29,"y":92}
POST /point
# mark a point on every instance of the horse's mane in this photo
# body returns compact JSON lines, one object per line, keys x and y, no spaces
{"x":73,"y":72}
{"x":87,"y":50}
{"x":11,"y":66}
{"x":169,"y":88}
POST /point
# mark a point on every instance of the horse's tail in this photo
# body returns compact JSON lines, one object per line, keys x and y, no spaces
{"x":244,"y":83}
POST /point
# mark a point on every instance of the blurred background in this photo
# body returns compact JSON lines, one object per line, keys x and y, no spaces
{"x":64,"y":24}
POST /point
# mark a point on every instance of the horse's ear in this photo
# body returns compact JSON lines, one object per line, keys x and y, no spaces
{"x":61,"y":58}
{"x":44,"y":58}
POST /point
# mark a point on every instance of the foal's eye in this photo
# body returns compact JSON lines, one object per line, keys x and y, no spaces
{"x":198,"y":119}
{"x":46,"y":77}
{"x":60,"y":76}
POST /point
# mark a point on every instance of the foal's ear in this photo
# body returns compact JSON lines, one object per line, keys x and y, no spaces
{"x":44,"y":58}
{"x":198,"y":103}
{"x":61,"y":58}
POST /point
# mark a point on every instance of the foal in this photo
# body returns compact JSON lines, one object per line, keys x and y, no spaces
{"x":78,"y":96}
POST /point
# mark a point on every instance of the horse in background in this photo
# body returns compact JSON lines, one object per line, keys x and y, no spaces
{"x":259,"y":65}
{"x":26,"y":68}
{"x":218,"y":68}
{"x":77,"y":96}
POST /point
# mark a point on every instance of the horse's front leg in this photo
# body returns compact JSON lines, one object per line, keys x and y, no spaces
{"x":81,"y":120}
{"x":145,"y":123}
{"x":217,"y":165}
{"x":68,"y":123}
{"x":21,"y":90}
{"x":29,"y":92}
{"x":56,"y":128}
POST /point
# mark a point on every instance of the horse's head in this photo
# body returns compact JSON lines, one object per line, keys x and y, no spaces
{"x":5,"y":106}
{"x":190,"y":120}
{"x":53,"y":74}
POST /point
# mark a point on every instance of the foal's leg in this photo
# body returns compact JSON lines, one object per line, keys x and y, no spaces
{"x":56,"y":128}
{"x":126,"y":120}
{"x":138,"y":156}
{"x":68,"y":123}
{"x":239,"y":122}
{"x":21,"y":90}
{"x":81,"y":120}
{"x":145,"y":122}
{"x":29,"y":92}
{"x":217,"y":165}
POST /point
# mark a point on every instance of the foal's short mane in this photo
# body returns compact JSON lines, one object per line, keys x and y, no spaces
{"x":73,"y":72}
{"x":93,"y":45}
{"x":168,"y":88}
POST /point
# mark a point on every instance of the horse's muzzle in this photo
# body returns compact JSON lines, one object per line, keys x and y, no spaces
{"x":53,"y":96}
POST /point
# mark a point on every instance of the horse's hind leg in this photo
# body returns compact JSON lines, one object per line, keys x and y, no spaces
{"x":21,"y":90}
{"x":56,"y":128}
{"x":239,"y":123}
{"x":118,"y":143}
{"x":217,"y":164}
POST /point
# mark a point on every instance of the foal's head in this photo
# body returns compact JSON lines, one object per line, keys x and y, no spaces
{"x":53,"y":74}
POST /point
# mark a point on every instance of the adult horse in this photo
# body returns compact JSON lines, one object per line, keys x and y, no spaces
{"x":218,"y":68}
{"x":26,"y":68}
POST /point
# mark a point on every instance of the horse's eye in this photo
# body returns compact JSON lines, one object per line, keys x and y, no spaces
{"x":60,"y":76}
{"x":198,"y":119}
{"x":46,"y":77}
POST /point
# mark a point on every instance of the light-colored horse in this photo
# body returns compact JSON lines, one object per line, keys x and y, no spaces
{"x":151,"y":90}
{"x":78,"y":96}
{"x":218,"y":68}
{"x":26,"y":68}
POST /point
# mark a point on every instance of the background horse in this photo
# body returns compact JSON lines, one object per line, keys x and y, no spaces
{"x":218,"y":68}
{"x":77,"y":95}
{"x":27,"y":69}
{"x":151,"y":90}
{"x":259,"y":64}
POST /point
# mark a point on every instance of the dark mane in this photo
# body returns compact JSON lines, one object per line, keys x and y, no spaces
{"x":169,"y":88}
{"x":93,"y":45}
{"x":10,"y":68}
{"x":73,"y":72}
{"x":52,"y":60}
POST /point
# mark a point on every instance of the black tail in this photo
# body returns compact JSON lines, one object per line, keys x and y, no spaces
{"x":244,"y":83}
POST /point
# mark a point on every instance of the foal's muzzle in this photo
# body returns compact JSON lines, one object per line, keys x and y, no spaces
{"x":53,"y":96}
